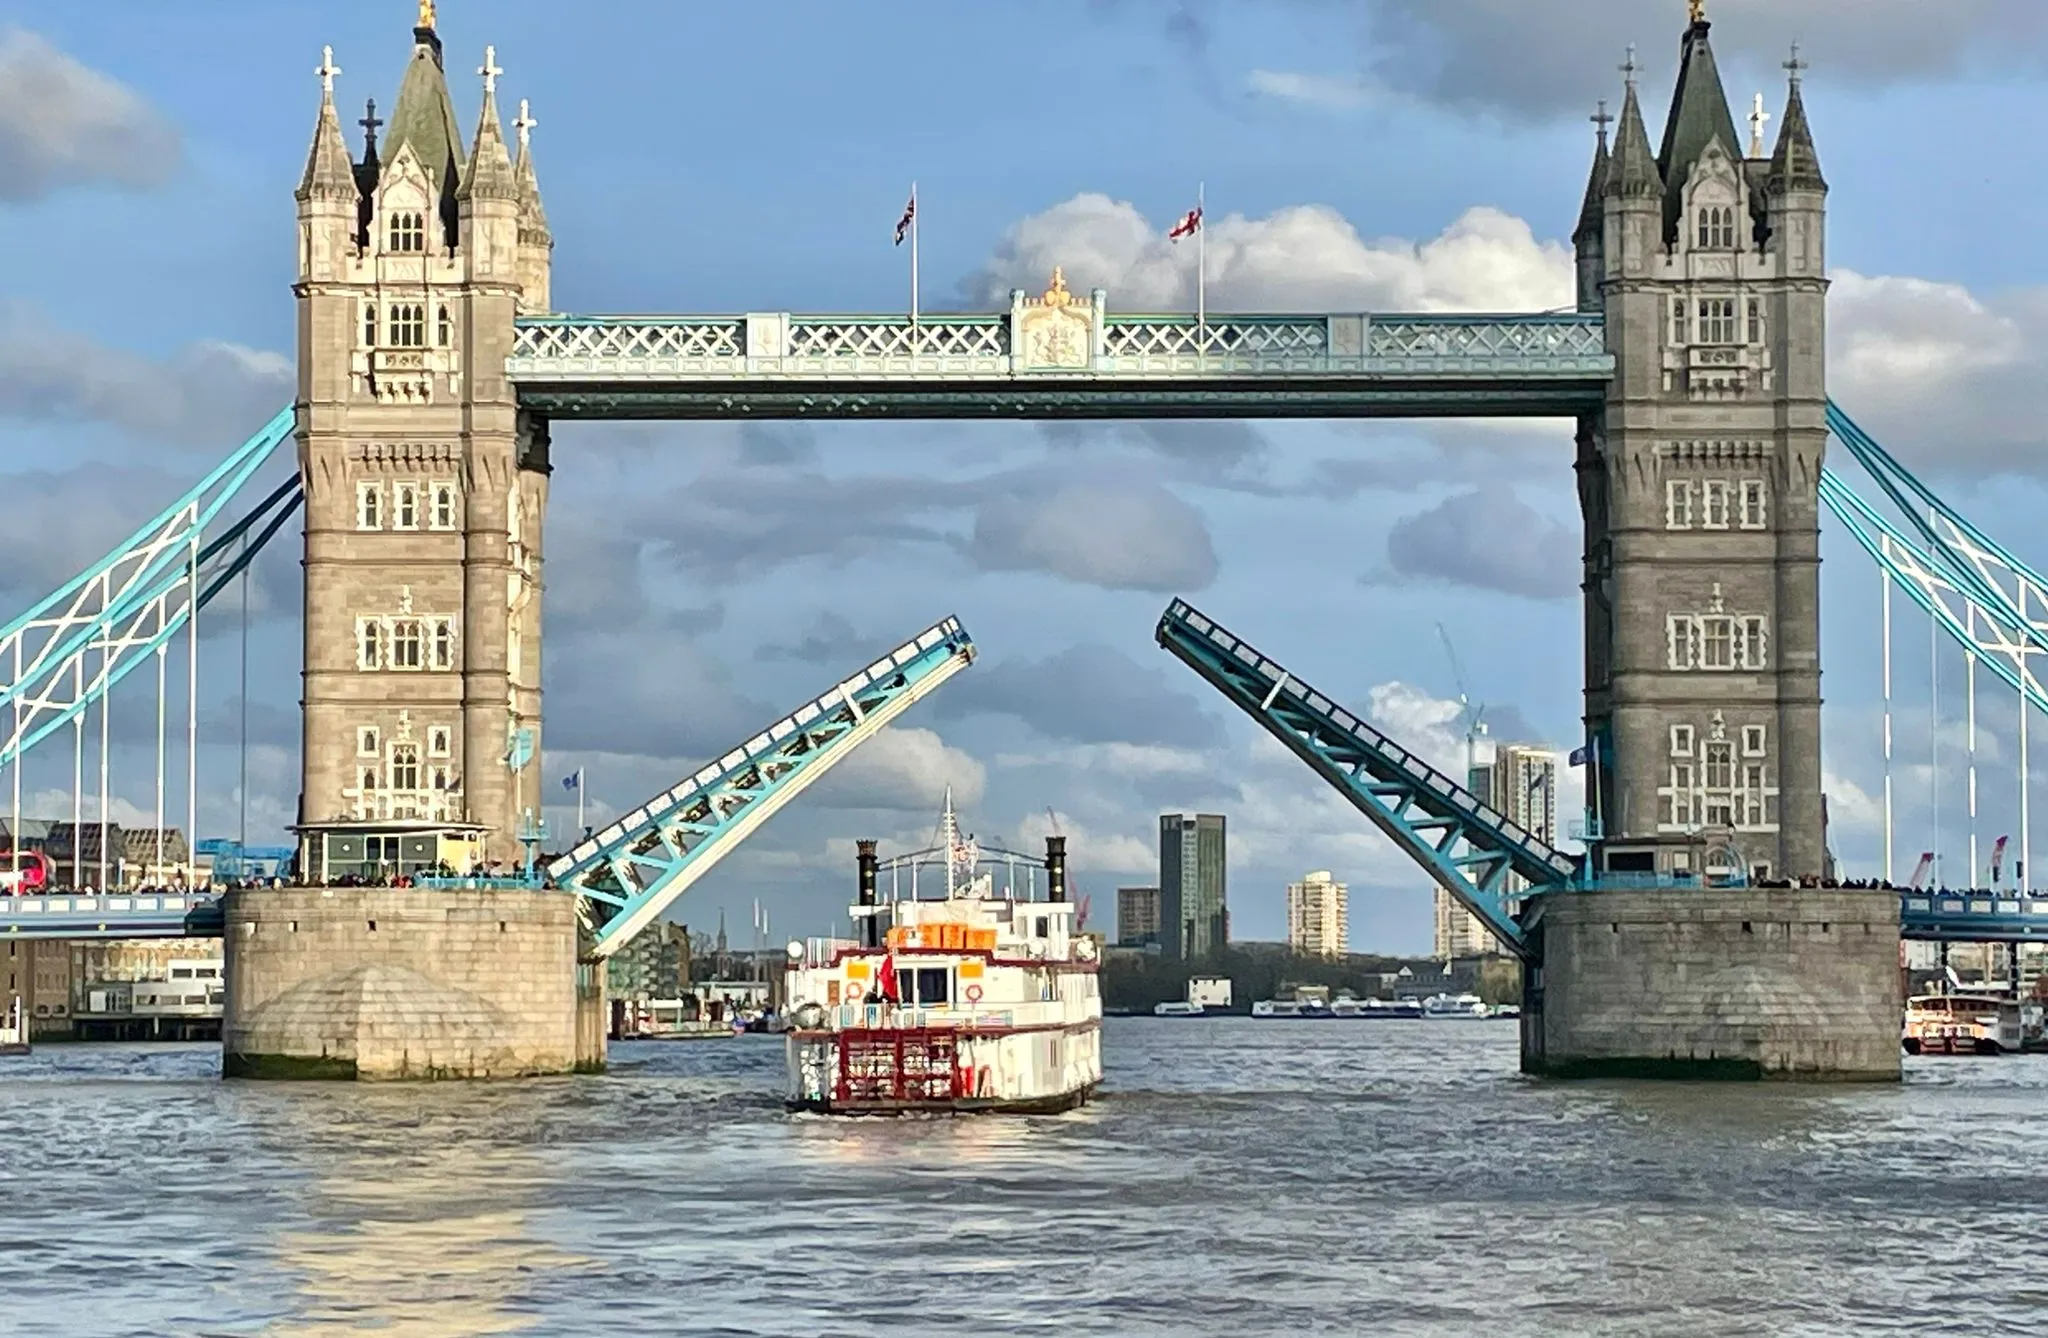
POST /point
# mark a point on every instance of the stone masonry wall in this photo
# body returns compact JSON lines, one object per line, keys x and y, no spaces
{"x":1749,"y":983}
{"x":380,"y":983}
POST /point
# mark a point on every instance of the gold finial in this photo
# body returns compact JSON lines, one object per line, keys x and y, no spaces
{"x":427,"y":14}
{"x":1057,"y":295}
{"x":1698,"y":9}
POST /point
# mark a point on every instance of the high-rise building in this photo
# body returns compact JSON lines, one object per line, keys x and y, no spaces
{"x":1318,"y":923}
{"x":1193,"y":912}
{"x":1137,"y":917}
{"x":1520,"y":782}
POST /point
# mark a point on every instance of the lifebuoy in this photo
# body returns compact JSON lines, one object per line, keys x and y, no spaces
{"x":852,"y":995}
{"x":972,"y":993}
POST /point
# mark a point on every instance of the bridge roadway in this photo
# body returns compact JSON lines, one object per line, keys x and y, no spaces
{"x":1061,"y":356}
{"x":1939,"y":917}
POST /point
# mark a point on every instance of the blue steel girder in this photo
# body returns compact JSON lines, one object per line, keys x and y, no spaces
{"x":1973,"y":917}
{"x":71,"y":648}
{"x":637,"y":866}
{"x":1425,"y":813}
{"x":1105,"y":365}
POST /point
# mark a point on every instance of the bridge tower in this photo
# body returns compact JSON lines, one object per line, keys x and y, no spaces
{"x":1698,"y":484}
{"x":425,"y":490}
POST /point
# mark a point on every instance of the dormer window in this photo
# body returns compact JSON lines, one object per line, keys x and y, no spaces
{"x":408,"y":233}
{"x":1716,"y":228}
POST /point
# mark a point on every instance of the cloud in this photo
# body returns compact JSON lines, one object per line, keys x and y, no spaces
{"x":1089,"y":693}
{"x":1949,"y":380}
{"x":62,"y":124}
{"x":1487,"y":538}
{"x":1477,"y":55}
{"x":1118,"y":535}
{"x":210,"y":394}
{"x":830,"y":639}
{"x":1090,"y":852}
{"x":905,"y":770}
{"x":1302,"y":258}
{"x":1317,"y":92}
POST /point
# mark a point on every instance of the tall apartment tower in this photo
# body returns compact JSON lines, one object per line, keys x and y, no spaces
{"x":1520,"y":782}
{"x":425,"y":489}
{"x":1318,"y":919}
{"x":1194,"y":915}
{"x":1698,"y":484}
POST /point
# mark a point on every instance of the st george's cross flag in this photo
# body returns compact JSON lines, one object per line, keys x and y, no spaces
{"x":1189,"y":225}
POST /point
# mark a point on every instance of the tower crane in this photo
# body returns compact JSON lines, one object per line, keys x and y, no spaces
{"x":1472,"y":718}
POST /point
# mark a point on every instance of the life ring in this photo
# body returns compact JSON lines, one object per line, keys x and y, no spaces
{"x":851,"y":996}
{"x":972,"y":994}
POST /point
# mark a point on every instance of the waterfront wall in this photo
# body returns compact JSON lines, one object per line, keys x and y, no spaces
{"x":383,"y":983}
{"x":1725,"y":983}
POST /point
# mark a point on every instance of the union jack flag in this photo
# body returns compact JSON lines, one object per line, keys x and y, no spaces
{"x":909,"y":216}
{"x":1190,"y":224}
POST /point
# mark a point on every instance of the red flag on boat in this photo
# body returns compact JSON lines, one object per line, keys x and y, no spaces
{"x":885,"y":986}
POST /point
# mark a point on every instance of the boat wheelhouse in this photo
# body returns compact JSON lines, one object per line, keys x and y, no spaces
{"x":968,"y":987}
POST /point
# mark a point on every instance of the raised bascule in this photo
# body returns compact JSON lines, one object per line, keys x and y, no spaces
{"x":432,"y":362}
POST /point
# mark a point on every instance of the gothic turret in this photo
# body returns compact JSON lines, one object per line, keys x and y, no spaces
{"x":1795,"y":166}
{"x":1699,"y":117}
{"x":489,"y":175}
{"x":326,"y":196}
{"x":536,"y":241}
{"x":1634,"y":186}
{"x":1589,"y":238}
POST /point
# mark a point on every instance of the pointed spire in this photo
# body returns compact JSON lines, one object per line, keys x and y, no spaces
{"x":1794,"y":164}
{"x":1592,"y":214}
{"x":1632,"y":172}
{"x":1699,"y":116}
{"x":329,"y":175}
{"x":533,"y":219}
{"x":490,"y":175}
{"x":423,"y":118}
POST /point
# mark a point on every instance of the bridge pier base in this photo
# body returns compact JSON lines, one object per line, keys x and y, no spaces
{"x":1723,"y":984}
{"x":389,"y":983}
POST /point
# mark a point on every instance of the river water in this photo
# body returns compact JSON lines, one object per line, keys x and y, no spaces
{"x":1237,"y":1178}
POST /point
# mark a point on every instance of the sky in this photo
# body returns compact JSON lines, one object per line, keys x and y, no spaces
{"x":703,"y":579}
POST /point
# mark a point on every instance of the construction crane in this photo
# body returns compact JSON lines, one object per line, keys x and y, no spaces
{"x":1471,"y":718}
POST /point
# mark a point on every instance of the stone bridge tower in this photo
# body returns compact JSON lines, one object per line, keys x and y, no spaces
{"x":425,"y":491}
{"x":1698,"y":483}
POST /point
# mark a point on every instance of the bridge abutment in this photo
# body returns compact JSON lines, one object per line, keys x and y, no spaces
{"x":394,"y":983}
{"x":1743,"y":983}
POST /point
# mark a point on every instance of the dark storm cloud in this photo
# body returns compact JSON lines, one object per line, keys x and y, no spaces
{"x":1487,"y":538}
{"x":1089,"y":693}
{"x":1118,"y":535}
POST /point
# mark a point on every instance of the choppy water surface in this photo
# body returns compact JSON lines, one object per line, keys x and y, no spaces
{"x":1237,"y":1178}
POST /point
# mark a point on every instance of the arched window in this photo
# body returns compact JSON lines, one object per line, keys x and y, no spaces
{"x":405,"y":766}
{"x":369,"y":778}
{"x":408,"y":233}
{"x":405,"y":643}
{"x":370,"y":324}
{"x":444,"y":329}
{"x":408,"y":325}
{"x":1716,"y":228}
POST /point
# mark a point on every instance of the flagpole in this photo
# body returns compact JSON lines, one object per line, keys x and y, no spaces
{"x":1201,"y":270}
{"x":580,"y":828}
{"x":913,"y":255}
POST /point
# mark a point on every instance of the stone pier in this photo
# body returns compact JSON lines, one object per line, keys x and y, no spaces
{"x":384,"y":983}
{"x":1727,"y":983}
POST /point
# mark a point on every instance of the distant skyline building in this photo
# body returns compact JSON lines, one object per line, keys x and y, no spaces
{"x":1520,"y":781}
{"x":1194,"y":910}
{"x":1318,"y":916}
{"x":1137,"y":917}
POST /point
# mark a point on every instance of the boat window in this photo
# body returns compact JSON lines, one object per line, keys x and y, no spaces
{"x":931,"y":986}
{"x":1044,"y":926}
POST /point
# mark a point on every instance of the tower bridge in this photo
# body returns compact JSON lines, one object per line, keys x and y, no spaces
{"x":433,"y":359}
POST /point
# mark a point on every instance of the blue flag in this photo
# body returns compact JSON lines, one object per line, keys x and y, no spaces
{"x":1578,"y":757}
{"x":573,"y":781}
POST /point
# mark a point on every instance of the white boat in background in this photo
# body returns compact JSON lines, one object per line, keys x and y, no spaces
{"x":13,"y":1031}
{"x":1962,"y":1024}
{"x":1177,"y":1008}
{"x":969,"y":997}
{"x":1276,"y":1008}
{"x":1460,"y":1007}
